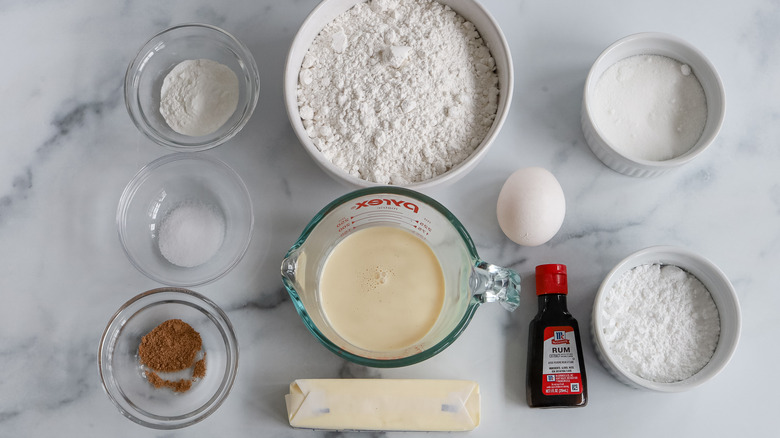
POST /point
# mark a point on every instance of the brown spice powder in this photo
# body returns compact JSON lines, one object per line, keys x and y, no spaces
{"x":172,"y":346}
{"x":199,"y":371}
{"x":181,"y":385}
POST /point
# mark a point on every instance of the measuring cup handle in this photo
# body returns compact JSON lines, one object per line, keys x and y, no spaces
{"x":491,"y":283}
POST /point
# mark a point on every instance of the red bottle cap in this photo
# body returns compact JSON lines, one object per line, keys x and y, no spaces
{"x":551,"y":279}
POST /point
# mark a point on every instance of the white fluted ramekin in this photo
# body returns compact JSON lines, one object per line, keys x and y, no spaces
{"x":652,"y":43}
{"x":719,"y":287}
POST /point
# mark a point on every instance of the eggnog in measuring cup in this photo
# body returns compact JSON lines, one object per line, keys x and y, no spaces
{"x":388,"y":277}
{"x":382,"y":288}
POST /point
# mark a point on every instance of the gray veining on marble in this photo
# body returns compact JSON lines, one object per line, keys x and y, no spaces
{"x":69,"y":148}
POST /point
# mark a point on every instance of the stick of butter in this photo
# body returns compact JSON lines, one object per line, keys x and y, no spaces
{"x":384,"y":404}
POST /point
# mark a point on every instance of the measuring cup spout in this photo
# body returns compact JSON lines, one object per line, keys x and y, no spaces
{"x":491,"y":283}
{"x":290,"y":265}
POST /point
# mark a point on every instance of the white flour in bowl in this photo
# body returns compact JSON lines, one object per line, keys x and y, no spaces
{"x":660,"y":323}
{"x":398,"y":91}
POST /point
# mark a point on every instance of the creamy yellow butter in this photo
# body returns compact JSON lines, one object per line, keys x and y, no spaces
{"x":384,"y":404}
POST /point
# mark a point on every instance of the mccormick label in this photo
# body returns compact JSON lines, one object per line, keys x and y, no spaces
{"x":561,"y":368}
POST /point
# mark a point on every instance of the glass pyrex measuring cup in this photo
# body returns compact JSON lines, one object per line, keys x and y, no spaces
{"x":468,"y":281}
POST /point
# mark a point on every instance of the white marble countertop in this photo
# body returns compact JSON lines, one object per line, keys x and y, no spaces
{"x":69,"y":148}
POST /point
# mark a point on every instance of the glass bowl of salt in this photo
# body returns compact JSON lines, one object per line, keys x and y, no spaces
{"x":191,"y":87}
{"x":652,"y":102}
{"x":185,"y":219}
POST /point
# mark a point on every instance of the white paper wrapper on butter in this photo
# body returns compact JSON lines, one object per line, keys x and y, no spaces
{"x":384,"y":404}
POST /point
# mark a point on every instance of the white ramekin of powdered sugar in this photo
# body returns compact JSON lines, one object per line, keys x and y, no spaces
{"x":402,"y":92}
{"x":665,"y":319}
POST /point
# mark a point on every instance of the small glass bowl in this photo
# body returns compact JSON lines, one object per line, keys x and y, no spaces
{"x":122,"y":374}
{"x":167,"y":183}
{"x":719,"y":287}
{"x":164,"y":51}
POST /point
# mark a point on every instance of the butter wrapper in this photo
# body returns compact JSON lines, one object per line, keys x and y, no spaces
{"x":384,"y":404}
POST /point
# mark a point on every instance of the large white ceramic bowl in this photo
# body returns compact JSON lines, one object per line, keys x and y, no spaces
{"x":325,"y":12}
{"x":716,"y":283}
{"x":652,"y":43}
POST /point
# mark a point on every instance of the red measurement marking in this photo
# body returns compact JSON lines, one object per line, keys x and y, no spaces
{"x":389,"y":216}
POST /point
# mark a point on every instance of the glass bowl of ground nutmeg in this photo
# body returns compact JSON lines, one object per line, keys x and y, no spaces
{"x":168,"y":358}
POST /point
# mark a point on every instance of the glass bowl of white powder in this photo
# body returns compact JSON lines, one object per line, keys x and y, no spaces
{"x":652,"y":102}
{"x":185,"y":219}
{"x":408,"y":93}
{"x":191,"y":87}
{"x":665,"y":319}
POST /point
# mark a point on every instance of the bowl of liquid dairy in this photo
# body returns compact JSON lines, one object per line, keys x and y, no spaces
{"x":388,"y":277}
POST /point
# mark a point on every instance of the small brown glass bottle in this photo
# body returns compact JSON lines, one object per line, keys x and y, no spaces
{"x":556,"y":370}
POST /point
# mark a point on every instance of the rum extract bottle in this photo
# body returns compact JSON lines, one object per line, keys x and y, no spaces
{"x":556,"y":370}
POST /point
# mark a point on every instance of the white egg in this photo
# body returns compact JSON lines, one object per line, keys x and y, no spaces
{"x":531,"y":206}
